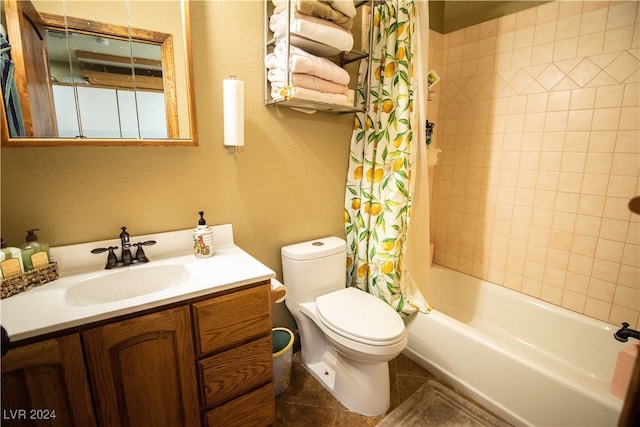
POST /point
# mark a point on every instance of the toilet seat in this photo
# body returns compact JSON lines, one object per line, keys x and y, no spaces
{"x":360,"y":316}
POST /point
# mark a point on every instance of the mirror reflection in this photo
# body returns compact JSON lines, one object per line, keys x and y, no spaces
{"x":124,"y":77}
{"x":104,"y":87}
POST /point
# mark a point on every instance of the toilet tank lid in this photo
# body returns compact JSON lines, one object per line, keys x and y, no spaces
{"x":314,"y":249}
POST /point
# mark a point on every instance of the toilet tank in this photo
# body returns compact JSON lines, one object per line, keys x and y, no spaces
{"x":313,"y":268}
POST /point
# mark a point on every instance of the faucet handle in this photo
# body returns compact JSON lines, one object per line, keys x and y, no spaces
{"x":102,"y":250}
{"x":112,"y":260}
{"x":140,"y":256}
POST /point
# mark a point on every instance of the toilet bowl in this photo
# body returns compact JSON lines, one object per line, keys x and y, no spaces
{"x":347,"y":336}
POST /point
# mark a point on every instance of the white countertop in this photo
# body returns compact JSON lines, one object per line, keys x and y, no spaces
{"x":45,"y":309}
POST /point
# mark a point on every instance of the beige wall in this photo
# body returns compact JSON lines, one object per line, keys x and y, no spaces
{"x":539,"y":123}
{"x":286,"y":185}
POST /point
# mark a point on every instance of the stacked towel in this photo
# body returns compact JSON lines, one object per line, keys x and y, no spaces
{"x":309,"y":95}
{"x":345,"y":6}
{"x":318,"y":9}
{"x":313,"y":28}
{"x":303,"y":62}
{"x":316,"y":28}
{"x":308,"y":81}
{"x":312,"y":77}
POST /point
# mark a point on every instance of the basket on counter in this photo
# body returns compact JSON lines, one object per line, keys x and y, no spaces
{"x":29,"y":280}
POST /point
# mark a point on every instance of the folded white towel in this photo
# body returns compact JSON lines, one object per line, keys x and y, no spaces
{"x":345,"y":6}
{"x":306,"y":63}
{"x":308,"y":81}
{"x":310,"y":95}
{"x":317,"y":8}
{"x":312,"y":28}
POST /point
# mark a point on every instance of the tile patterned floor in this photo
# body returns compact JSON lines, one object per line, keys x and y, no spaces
{"x":307,"y":403}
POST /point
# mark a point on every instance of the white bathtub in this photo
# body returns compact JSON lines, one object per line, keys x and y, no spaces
{"x":530,"y":362}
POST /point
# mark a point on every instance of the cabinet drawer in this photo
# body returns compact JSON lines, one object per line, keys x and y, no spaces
{"x":232,"y":319}
{"x":229,"y":374}
{"x":254,"y":409}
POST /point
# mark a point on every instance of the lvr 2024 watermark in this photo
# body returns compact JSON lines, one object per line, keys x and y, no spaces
{"x":28,"y":414}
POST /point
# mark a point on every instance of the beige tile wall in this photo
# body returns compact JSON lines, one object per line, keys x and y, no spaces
{"x":538,"y":120}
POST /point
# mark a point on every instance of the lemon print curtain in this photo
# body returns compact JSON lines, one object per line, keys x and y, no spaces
{"x":379,"y":183}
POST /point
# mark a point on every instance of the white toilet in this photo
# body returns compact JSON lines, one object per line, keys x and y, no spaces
{"x":348,"y":336}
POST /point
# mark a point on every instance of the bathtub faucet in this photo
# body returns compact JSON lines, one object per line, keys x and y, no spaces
{"x":625,"y":333}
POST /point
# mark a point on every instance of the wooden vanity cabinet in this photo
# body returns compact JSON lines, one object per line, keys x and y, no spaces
{"x":205,"y":362}
{"x":143,"y":370}
{"x":45,"y":383}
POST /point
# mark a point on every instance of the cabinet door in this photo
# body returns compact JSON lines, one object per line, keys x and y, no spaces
{"x":45,"y":383}
{"x":143,"y":371}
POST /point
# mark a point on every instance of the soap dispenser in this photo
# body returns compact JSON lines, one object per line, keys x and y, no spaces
{"x":35,"y":253}
{"x":10,"y":261}
{"x":202,"y":239}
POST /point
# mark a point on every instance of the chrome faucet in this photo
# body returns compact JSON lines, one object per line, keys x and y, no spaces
{"x":624,"y":333}
{"x":126,"y":258}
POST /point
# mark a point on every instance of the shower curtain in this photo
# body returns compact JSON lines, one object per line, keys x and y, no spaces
{"x":387,"y":152}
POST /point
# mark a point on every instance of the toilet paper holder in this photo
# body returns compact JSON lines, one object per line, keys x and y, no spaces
{"x":278,"y":292}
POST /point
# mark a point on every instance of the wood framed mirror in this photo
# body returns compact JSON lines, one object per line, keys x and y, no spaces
{"x":123,"y":79}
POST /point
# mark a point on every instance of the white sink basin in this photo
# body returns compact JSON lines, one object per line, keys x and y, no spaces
{"x":124,"y":284}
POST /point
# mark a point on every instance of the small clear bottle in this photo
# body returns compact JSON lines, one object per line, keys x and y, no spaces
{"x":35,"y":253}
